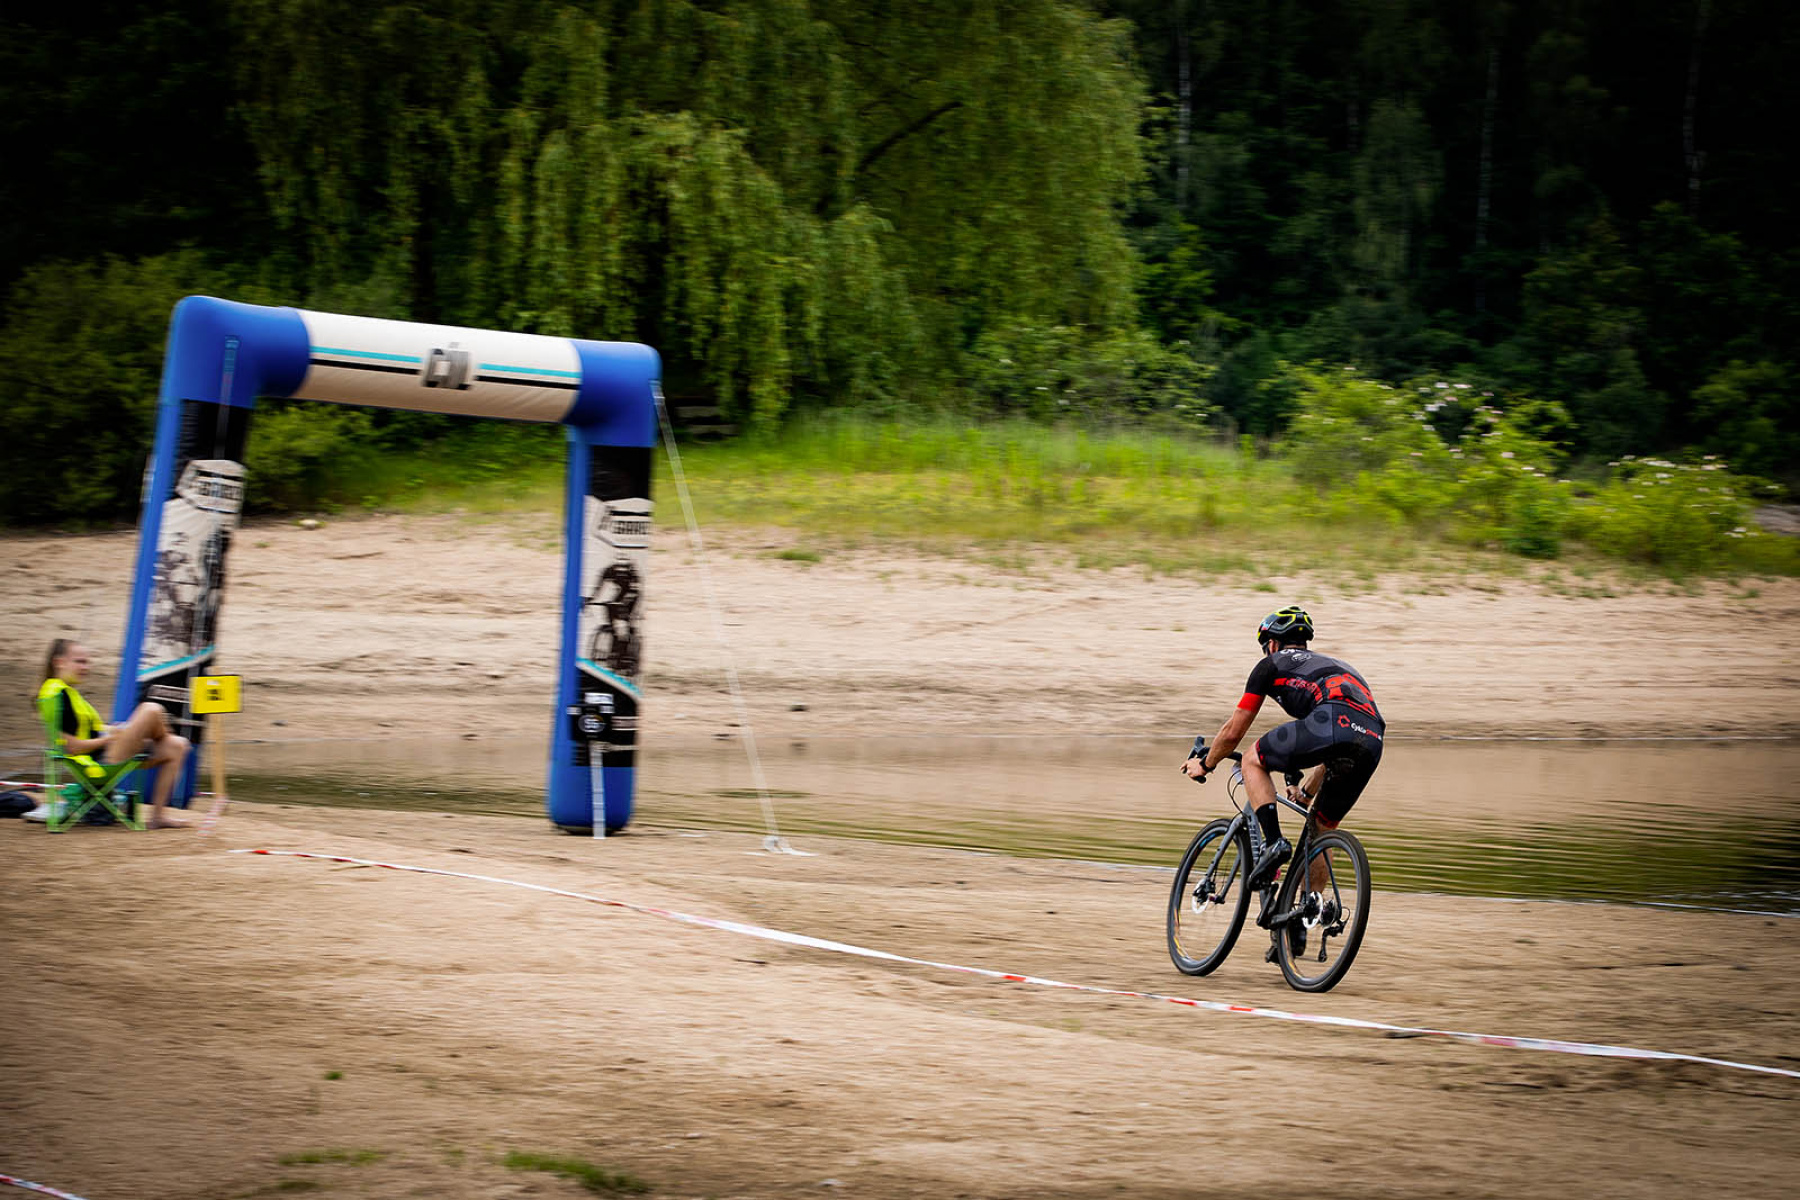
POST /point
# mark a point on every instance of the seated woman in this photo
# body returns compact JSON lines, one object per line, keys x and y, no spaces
{"x":146,"y":731}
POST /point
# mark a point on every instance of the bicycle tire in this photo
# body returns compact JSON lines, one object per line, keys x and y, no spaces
{"x":1357,"y":922}
{"x":1233,"y":895}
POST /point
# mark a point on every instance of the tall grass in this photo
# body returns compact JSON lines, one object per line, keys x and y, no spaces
{"x":1116,"y":497}
{"x":1169,"y":501}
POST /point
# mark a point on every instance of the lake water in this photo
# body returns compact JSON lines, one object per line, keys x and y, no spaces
{"x":1710,"y":824}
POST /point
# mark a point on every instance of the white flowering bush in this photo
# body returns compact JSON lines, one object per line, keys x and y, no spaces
{"x":1680,"y":515}
{"x":1444,"y":457}
{"x":1493,"y":484}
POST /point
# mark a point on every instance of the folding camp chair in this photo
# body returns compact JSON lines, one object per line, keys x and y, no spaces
{"x":93,"y":787}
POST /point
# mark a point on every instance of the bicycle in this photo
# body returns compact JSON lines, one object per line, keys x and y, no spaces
{"x":1206,"y":912}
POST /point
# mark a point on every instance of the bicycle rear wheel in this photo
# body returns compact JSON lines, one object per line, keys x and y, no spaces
{"x":1207,"y":904}
{"x":1330,"y":896}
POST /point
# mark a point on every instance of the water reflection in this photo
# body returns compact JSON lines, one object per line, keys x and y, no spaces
{"x":1639,"y":821}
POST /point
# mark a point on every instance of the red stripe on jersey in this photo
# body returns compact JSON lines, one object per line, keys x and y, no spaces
{"x":1251,"y":701}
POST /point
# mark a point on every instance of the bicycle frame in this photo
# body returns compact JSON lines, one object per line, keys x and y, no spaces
{"x":1278,"y":907}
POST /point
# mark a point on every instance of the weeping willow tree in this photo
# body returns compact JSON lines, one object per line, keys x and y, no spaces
{"x":785,"y":196}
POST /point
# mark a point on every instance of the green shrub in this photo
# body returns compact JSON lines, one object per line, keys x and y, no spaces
{"x":1348,"y":426}
{"x":1491,"y":485}
{"x":81,"y":356}
{"x":1061,"y":372}
{"x":298,"y":455}
{"x":1679,"y":516}
{"x":1751,"y":412}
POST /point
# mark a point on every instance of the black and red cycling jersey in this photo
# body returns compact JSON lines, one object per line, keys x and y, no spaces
{"x":1301,"y":681}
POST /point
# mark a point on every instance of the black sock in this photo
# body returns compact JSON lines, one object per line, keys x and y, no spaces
{"x":1270,"y":820}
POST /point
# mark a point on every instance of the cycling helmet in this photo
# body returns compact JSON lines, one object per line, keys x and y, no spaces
{"x":1285,"y":625}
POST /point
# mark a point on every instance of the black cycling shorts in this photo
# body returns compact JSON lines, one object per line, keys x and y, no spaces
{"x":1346,"y":740}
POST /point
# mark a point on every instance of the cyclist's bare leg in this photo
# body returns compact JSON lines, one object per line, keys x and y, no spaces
{"x":1257,"y":781}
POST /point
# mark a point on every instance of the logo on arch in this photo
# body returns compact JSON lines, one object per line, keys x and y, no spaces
{"x":1343,"y":722}
{"x":446,"y":368}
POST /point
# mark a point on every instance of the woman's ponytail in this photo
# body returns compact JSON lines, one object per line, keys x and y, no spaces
{"x":58,"y":648}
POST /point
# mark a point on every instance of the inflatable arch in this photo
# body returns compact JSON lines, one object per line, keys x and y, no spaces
{"x":223,"y":355}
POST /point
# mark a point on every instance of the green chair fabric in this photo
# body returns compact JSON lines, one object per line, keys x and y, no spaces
{"x":91,"y":785}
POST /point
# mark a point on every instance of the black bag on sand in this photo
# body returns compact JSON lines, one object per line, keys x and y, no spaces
{"x":16,"y":804}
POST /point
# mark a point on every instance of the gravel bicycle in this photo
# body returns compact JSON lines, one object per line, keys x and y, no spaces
{"x":1315,"y":910}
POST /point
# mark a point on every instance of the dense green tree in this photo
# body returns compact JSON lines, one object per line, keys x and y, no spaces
{"x":1581,"y":336}
{"x":780,"y":196}
{"x":872,"y":205}
{"x":1749,"y":413}
{"x":76,"y":436}
{"x":120,"y":132}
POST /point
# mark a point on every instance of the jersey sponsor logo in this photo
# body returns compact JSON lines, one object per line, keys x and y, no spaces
{"x":1302,"y":685}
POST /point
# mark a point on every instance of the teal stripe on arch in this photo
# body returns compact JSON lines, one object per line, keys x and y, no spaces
{"x":162,"y":668}
{"x":528,"y":370}
{"x":623,"y":684}
{"x":405,"y":358}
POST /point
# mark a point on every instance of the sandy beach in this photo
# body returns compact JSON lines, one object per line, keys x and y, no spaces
{"x":190,"y":1022}
{"x":429,"y":625}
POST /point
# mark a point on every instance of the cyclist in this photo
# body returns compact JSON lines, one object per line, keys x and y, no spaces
{"x":1336,"y":731}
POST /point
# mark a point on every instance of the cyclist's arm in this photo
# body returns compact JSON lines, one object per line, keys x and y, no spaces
{"x":1310,"y":786}
{"x":1234,"y":729}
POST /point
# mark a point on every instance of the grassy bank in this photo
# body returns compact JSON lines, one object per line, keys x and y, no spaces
{"x":1401,"y":498}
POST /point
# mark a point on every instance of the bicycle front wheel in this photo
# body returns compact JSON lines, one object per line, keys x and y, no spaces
{"x":1207,"y":905}
{"x":1329,"y":897}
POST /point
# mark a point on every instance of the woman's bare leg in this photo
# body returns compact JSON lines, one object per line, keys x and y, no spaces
{"x":147,"y":730}
{"x":168,"y":769}
{"x":148,"y":724}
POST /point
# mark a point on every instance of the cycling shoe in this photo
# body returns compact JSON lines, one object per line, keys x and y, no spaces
{"x":1267,"y":863}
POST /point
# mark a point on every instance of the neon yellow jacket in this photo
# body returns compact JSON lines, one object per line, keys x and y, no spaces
{"x":87,"y":720}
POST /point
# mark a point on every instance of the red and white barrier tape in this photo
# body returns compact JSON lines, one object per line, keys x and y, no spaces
{"x":15,"y":1181}
{"x":1551,"y":1045}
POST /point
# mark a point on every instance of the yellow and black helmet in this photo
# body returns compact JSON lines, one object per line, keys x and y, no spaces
{"x":1286,"y":625}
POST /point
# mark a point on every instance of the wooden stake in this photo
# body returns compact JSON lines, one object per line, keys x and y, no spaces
{"x":215,"y":744}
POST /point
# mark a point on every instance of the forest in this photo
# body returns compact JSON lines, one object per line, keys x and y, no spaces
{"x":1254,"y":222}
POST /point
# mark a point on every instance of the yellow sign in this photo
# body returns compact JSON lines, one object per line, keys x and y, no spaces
{"x":216,"y":694}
